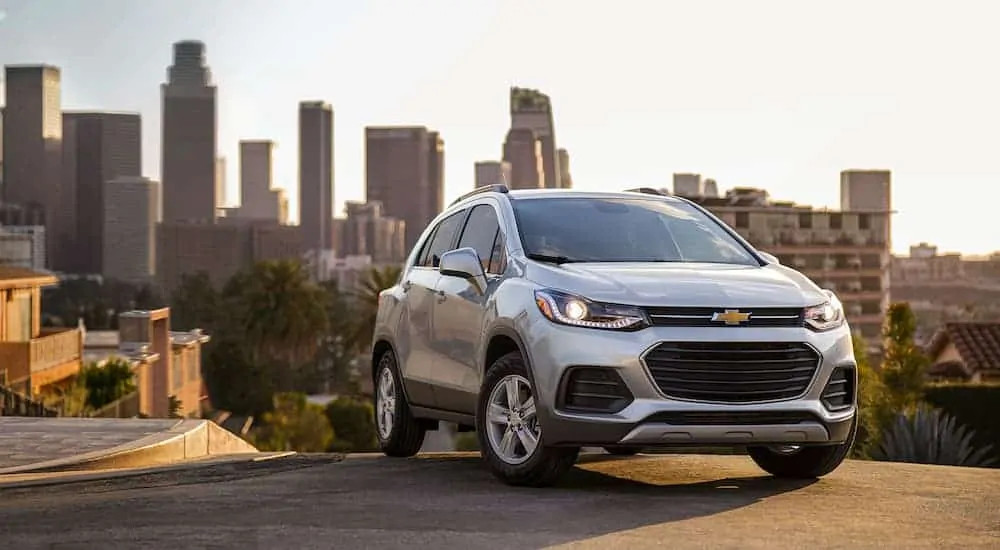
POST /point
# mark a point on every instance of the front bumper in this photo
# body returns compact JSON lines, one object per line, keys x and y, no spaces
{"x":652,"y":419}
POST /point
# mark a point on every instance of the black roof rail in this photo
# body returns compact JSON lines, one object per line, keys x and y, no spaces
{"x":647,"y":191}
{"x":492,"y":188}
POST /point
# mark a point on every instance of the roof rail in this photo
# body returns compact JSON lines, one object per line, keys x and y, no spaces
{"x":647,"y":191}
{"x":492,"y":188}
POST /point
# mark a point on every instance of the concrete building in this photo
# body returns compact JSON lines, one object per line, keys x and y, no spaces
{"x":366,"y":231}
{"x":220,"y":249}
{"x":316,"y":175}
{"x":98,"y":147}
{"x":32,"y":142}
{"x":404,"y":171}
{"x":259,"y":200}
{"x":862,"y":190}
{"x":22,"y":246}
{"x":188,"y":166}
{"x":846,"y":251}
{"x":531,"y":109}
{"x":221,"y":196}
{"x":565,"y":179}
{"x":523,"y":151}
{"x":689,"y":185}
{"x":492,"y":172}
{"x":131,"y":212}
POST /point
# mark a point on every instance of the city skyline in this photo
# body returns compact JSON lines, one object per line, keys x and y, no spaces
{"x":754,"y":136}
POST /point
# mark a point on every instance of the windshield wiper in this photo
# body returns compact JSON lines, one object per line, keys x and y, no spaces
{"x":551,"y":259}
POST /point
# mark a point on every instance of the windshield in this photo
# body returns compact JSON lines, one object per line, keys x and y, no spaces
{"x":578,"y":229}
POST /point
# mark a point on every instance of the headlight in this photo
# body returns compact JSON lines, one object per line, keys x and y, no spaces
{"x":826,"y":316}
{"x":567,"y":309}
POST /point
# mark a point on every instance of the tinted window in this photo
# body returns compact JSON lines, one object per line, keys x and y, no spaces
{"x":441,"y":241}
{"x":624,"y":230}
{"x":481,"y":233}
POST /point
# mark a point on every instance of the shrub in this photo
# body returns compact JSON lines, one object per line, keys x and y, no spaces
{"x":107,"y":383}
{"x":294,"y":425}
{"x":973,"y":405}
{"x":929,"y":436}
{"x":466,"y":441}
{"x":352,"y":419}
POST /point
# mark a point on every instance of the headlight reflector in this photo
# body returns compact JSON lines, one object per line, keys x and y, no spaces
{"x":566,"y":309}
{"x":826,"y":316}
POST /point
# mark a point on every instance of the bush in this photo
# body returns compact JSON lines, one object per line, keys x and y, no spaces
{"x":972,"y":405}
{"x":930,"y":436}
{"x":466,"y":441}
{"x":294,"y":425}
{"x":107,"y":383}
{"x":353,"y":421}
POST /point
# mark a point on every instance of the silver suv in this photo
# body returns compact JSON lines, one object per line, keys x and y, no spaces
{"x":550,"y":320}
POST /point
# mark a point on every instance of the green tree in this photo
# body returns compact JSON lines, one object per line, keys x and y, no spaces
{"x":107,"y":383}
{"x":904,"y":366}
{"x":195,"y":303}
{"x":874,"y":409}
{"x":294,"y":425}
{"x":174,"y":406}
{"x":374,"y":282}
{"x":352,"y":420}
{"x":335,"y":358}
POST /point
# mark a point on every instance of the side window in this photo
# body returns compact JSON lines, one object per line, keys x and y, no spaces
{"x":442,"y":239}
{"x":480,"y":234}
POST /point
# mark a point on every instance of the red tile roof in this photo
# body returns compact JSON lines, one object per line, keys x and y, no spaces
{"x":977,"y":343}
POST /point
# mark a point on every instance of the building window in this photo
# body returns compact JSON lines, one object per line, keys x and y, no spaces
{"x":806,"y":220}
{"x":836,"y":222}
{"x":864,"y":221}
{"x":742,"y":220}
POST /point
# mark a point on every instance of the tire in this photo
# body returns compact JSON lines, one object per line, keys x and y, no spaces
{"x":621,"y":451}
{"x":538,"y":468}
{"x":399,"y":433}
{"x":807,"y":462}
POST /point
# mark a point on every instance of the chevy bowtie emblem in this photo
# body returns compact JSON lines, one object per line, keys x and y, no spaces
{"x":731,"y":317}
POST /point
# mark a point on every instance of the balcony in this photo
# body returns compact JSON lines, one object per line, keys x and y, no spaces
{"x":50,"y":357}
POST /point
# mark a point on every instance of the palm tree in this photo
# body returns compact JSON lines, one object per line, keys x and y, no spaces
{"x":375,"y":281}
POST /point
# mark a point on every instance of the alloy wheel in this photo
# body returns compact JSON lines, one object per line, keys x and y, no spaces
{"x":512,"y":420}
{"x":385,"y":403}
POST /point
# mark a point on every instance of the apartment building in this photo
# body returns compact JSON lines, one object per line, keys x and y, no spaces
{"x":22,"y":246}
{"x":367,"y":231}
{"x":847,"y":251}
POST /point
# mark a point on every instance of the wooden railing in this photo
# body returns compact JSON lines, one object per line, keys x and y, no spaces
{"x":55,"y":347}
{"x":15,"y":404}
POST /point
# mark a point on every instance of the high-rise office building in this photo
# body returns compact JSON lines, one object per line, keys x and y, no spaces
{"x":221,"y":197}
{"x":131,"y":212}
{"x":98,"y":147}
{"x":316,"y":175}
{"x":32,"y":142}
{"x":404,"y":172}
{"x":565,"y":179}
{"x":258,"y":199}
{"x":492,"y":172}
{"x":188,"y":166}
{"x":366,"y":231}
{"x":523,"y":151}
{"x":532,"y":110}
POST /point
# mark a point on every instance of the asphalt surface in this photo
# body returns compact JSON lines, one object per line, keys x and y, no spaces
{"x":25,"y":440}
{"x":674,"y":501}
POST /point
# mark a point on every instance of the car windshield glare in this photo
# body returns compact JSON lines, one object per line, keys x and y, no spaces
{"x":588,"y":229}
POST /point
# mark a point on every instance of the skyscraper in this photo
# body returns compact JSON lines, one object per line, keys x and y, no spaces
{"x":404,"y":171}
{"x":258,"y":199}
{"x":532,"y":110}
{"x":221,"y":199}
{"x":493,"y":172}
{"x":523,"y":151}
{"x":565,"y":179}
{"x":131,"y":211}
{"x":32,"y":142}
{"x":189,"y":137}
{"x":98,"y":147}
{"x":316,"y":175}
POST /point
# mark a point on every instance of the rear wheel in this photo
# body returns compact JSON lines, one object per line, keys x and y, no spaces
{"x":399,"y":433}
{"x":803,"y":462}
{"x":510,"y":436}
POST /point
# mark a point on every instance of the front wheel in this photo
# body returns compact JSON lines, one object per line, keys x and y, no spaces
{"x":510,"y":436}
{"x":803,"y":462}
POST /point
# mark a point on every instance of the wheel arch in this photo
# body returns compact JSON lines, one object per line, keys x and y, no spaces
{"x":504,"y":340}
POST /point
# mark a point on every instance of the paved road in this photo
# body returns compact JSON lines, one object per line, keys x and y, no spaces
{"x":451,"y":502}
{"x":25,"y":440}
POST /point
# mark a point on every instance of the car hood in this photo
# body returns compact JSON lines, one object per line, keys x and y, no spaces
{"x":680,"y":284}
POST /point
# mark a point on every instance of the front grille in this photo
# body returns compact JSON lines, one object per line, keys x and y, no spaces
{"x":702,"y":317}
{"x":594,"y":389}
{"x":731,"y":418}
{"x":839,"y":391}
{"x":732,"y":372}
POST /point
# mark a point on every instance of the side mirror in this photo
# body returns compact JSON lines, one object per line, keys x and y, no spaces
{"x":464,"y":263}
{"x":769,"y":258}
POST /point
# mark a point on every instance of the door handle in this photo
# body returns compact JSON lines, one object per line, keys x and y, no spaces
{"x":441,"y":296}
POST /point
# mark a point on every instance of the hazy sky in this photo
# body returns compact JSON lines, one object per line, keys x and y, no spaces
{"x":781,"y":94}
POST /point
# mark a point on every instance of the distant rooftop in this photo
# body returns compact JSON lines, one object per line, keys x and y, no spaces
{"x":528,"y":99}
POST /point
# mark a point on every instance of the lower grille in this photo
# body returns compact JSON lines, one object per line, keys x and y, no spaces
{"x":839,"y":391}
{"x":732,"y":372}
{"x":594,"y":389}
{"x":734,"y":418}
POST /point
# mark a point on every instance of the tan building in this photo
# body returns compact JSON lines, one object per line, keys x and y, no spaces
{"x":845,"y":251}
{"x":532,"y":110}
{"x":523,"y":151}
{"x":97,"y":147}
{"x":188,"y":166}
{"x":404,"y":171}
{"x":22,"y":246}
{"x":565,"y":179}
{"x":316,"y":175}
{"x":33,"y":359}
{"x":220,"y":249}
{"x":221,"y":196}
{"x":131,"y":212}
{"x":32,"y":142}
{"x":366,"y":231}
{"x":862,"y":190}
{"x":259,"y":199}
{"x":492,"y":172}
